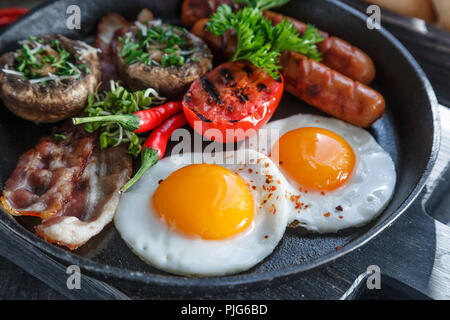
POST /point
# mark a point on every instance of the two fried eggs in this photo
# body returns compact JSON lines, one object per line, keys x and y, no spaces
{"x":225,"y":215}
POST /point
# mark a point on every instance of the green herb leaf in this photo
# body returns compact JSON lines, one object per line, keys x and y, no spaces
{"x":262,"y":4}
{"x":59,"y":137}
{"x":172,"y":60}
{"x":258,"y":41}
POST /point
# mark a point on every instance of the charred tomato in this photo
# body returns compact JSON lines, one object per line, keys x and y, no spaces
{"x":232,"y":101}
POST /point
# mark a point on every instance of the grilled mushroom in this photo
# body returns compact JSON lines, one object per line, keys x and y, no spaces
{"x":49,"y":78}
{"x":164,"y":57}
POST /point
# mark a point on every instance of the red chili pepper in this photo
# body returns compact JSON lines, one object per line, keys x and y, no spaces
{"x":14,"y":11}
{"x":9,"y":15}
{"x":4,"y":21}
{"x":155,"y":146}
{"x":151,"y":118}
{"x":140,"y":121}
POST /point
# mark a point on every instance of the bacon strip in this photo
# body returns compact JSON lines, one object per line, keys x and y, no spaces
{"x":72,"y":185}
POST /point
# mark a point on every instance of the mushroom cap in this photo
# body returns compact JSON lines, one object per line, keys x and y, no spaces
{"x":172,"y":81}
{"x":56,"y":100}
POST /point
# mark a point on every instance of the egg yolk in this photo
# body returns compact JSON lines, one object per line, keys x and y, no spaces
{"x":205,"y":200}
{"x":316,"y":158}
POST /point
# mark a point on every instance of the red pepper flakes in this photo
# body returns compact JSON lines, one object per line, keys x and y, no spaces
{"x":326,"y":214}
{"x":322,"y":193}
{"x":341,"y":217}
{"x":266,"y":165}
{"x":159,"y":182}
{"x":302,"y":190}
{"x":266,"y":237}
{"x":278,"y":181}
{"x":254,"y":187}
{"x":250,"y":170}
{"x":273,"y":209}
{"x":339,"y":208}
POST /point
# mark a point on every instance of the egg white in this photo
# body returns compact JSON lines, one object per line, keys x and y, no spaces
{"x":167,"y":249}
{"x":361,"y":198}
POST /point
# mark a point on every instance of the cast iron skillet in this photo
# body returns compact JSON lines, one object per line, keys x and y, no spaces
{"x":409,"y":131}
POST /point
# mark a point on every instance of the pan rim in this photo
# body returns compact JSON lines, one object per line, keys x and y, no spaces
{"x":219,"y":282}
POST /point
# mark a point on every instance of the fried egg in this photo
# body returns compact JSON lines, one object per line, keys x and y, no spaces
{"x":193,"y":216}
{"x":337,"y":175}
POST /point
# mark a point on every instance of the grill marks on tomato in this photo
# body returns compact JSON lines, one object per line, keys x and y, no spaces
{"x":230,"y":92}
{"x":228,"y":76}
{"x":235,"y":95}
{"x":261,"y":87}
{"x":211,"y":89}
{"x":201,"y":117}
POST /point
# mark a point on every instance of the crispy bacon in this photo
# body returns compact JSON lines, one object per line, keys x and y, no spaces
{"x":72,"y":185}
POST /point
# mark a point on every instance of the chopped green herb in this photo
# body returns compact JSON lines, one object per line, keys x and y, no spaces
{"x":40,"y":60}
{"x":59,"y":137}
{"x":165,"y":38}
{"x":172,"y":60}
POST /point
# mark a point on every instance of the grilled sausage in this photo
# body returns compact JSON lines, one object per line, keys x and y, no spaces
{"x":336,"y":53}
{"x":331,"y":91}
{"x":194,"y":10}
{"x":222,"y":47}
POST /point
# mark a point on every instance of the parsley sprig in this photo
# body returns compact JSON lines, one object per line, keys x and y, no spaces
{"x":258,"y":41}
{"x":169,"y":39}
{"x":262,"y":4}
{"x":119,"y":101}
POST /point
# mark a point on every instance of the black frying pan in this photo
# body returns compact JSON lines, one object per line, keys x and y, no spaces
{"x":409,"y":131}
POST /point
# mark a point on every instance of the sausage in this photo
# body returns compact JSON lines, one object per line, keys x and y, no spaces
{"x":312,"y":81}
{"x":194,"y":10}
{"x":337,"y":54}
{"x":331,"y":91}
{"x":222,"y":47}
